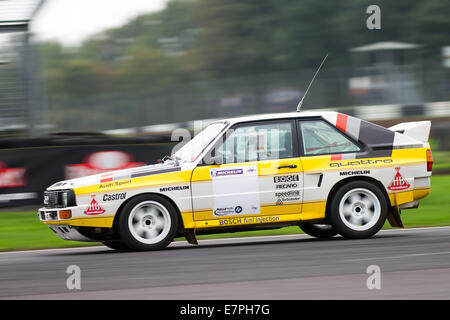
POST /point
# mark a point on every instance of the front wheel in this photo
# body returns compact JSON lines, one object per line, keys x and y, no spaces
{"x":358,"y":210}
{"x":148,"y":222}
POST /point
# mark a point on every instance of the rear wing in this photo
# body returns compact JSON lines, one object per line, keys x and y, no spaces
{"x":419,"y":130}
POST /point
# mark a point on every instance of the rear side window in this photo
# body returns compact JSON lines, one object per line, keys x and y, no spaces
{"x":320,"y":137}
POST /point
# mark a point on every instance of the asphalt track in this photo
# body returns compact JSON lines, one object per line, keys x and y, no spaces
{"x":414,"y":264}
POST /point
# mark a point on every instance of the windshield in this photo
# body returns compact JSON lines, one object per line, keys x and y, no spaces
{"x":191,"y":150}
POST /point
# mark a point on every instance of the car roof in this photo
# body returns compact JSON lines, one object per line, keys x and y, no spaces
{"x":286,"y":115}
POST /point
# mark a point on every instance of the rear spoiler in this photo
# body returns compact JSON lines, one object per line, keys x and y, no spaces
{"x":419,"y":130}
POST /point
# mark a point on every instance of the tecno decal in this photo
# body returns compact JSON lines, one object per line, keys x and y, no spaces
{"x":100,"y":162}
{"x":12,"y":177}
{"x":286,"y":186}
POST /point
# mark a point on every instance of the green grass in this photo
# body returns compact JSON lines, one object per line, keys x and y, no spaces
{"x":23,"y":231}
{"x":441,"y":161}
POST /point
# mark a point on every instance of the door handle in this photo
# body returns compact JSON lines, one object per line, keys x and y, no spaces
{"x":288,"y":166}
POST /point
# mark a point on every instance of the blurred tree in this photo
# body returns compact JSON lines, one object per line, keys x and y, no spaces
{"x":235,"y":36}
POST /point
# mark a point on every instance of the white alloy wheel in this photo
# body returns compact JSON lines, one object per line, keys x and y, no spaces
{"x":359,"y":209}
{"x":149,"y":222}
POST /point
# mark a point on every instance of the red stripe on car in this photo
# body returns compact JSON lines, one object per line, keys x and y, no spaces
{"x":335,"y":157}
{"x":341,"y":121}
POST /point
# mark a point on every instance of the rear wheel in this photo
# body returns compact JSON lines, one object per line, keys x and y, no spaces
{"x":358,"y":210}
{"x":148,"y":222}
{"x":318,"y":230}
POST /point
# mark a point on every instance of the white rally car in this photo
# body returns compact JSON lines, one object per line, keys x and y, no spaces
{"x":326,"y":172}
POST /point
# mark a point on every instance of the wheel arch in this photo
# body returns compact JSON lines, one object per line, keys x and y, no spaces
{"x":342,"y":182}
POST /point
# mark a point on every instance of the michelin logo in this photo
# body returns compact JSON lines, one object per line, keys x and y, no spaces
{"x":175,"y":188}
{"x":228,"y":172}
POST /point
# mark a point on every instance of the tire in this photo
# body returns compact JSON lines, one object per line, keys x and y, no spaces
{"x":323,"y":231}
{"x":358,"y":210}
{"x":148,"y":222}
{"x":116,"y":245}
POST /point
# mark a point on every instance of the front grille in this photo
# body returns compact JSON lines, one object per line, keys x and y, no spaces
{"x":54,"y":199}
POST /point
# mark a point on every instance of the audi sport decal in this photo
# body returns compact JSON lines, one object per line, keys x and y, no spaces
{"x":94,"y":208}
{"x":229,"y":181}
{"x":398,"y":183}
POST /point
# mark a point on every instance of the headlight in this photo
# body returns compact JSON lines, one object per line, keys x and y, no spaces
{"x":59,"y":199}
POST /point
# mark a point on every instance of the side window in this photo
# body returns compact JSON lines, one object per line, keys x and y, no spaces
{"x":257,"y":142}
{"x":321,"y":138}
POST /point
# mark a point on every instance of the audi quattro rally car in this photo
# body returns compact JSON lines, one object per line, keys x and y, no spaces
{"x":326,"y":172}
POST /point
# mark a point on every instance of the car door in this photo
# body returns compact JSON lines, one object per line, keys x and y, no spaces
{"x":256,"y":172}
{"x":320,"y":144}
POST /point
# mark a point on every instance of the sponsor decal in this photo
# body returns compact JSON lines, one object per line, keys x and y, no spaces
{"x":94,"y":208}
{"x":114,"y":196}
{"x":230,"y":221}
{"x":101,"y":162}
{"x":12,"y":177}
{"x":174,"y":188}
{"x":223,"y":211}
{"x":114,"y":184}
{"x":284,"y":179}
{"x":291,"y":193}
{"x":230,"y":190}
{"x":286,"y":196}
{"x":286,"y":186}
{"x":227,"y":172}
{"x":359,"y":163}
{"x":236,"y":221}
{"x":398,"y":183}
{"x":354,"y":173}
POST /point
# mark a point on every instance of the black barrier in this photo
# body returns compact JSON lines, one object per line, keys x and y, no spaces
{"x":28,"y":167}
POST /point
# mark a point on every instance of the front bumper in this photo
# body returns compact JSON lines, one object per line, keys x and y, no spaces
{"x":53,"y":217}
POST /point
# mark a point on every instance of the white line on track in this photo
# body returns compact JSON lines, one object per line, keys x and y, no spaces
{"x":230,"y":240}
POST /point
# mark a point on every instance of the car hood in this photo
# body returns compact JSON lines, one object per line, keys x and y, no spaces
{"x":115,"y":176}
